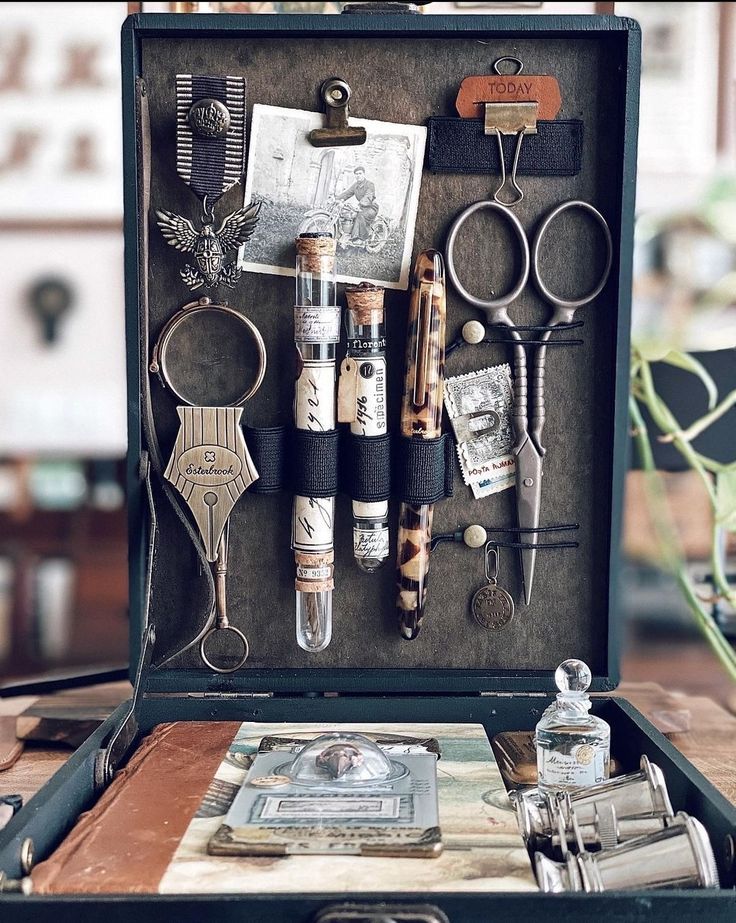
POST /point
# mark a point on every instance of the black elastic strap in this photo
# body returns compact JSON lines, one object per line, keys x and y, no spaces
{"x":315,"y":463}
{"x":459,"y":536}
{"x":267,"y":447}
{"x":462,"y":146}
{"x":366,"y":467}
{"x":424,"y":469}
{"x":553,"y":340}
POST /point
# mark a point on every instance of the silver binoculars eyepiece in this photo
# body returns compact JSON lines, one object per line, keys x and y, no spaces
{"x":678,"y":856}
{"x":602,"y":815}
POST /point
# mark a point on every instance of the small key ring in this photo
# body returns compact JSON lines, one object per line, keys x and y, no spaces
{"x":571,"y":304}
{"x":489,"y":305}
{"x":239,"y":634}
{"x":508,"y":57}
{"x":159,"y":365}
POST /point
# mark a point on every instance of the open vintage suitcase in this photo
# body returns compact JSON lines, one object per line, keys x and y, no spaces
{"x":401,"y":68}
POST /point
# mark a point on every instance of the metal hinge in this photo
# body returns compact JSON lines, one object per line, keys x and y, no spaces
{"x":512,"y":695}
{"x":109,"y":758}
{"x":230,"y":695}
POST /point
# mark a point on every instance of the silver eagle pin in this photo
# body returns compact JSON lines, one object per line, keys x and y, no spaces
{"x":210,"y":247}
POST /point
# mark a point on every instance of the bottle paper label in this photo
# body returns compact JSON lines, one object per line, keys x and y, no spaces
{"x":370,"y":543}
{"x":583,"y":765}
{"x":312,"y":524}
{"x":370,"y":397}
{"x":317,"y":325}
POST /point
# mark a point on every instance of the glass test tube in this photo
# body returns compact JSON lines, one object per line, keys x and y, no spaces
{"x":316,"y":335}
{"x":367,"y":349}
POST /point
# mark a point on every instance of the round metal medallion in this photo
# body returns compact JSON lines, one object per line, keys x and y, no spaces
{"x":209,"y":118}
{"x":269,"y":781}
{"x":493,"y":607}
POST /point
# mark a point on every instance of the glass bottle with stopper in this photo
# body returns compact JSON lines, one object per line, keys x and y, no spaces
{"x":573,"y":746}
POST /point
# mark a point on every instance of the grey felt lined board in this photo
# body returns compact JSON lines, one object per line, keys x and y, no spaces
{"x":403,"y":78}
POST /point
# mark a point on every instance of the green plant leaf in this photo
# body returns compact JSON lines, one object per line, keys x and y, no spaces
{"x":726,"y":499}
{"x":690,"y":364}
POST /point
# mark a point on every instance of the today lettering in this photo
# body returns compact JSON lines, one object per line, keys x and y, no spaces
{"x":511,"y":88}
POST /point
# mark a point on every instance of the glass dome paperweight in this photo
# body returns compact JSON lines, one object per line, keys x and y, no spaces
{"x":342,"y":760}
{"x":338,"y":793}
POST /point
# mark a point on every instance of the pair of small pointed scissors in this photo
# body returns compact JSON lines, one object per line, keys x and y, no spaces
{"x":528,"y":409}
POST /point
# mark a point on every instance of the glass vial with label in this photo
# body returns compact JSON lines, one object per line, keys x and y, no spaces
{"x":316,"y":335}
{"x":362,"y":404}
{"x":573,"y":746}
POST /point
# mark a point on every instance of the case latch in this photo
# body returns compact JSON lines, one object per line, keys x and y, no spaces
{"x":381,"y":913}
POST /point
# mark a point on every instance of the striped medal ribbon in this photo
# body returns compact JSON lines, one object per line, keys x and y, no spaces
{"x":210,"y":133}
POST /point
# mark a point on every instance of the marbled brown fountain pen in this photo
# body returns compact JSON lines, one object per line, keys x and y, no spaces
{"x":421,"y":416}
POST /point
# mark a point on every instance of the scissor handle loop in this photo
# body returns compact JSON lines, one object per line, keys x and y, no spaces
{"x":493,"y":304}
{"x":556,"y":300}
{"x":241,"y":638}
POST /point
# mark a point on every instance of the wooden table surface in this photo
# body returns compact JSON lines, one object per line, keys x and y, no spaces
{"x":697,"y":726}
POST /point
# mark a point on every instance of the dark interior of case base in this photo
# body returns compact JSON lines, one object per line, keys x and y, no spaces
{"x":407,"y":80}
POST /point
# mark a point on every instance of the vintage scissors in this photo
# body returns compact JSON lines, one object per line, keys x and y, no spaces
{"x":528,"y":408}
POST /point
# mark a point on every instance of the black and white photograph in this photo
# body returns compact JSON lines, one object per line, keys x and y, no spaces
{"x":367,"y":195}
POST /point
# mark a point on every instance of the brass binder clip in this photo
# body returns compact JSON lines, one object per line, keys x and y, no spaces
{"x":509,"y":104}
{"x":335,"y":94}
{"x":505,"y":118}
{"x":510,"y":119}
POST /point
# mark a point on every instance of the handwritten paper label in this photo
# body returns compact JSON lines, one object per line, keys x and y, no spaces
{"x":312,"y":523}
{"x":370,"y":543}
{"x":317,"y":325}
{"x":315,"y":396}
{"x":583,"y":765}
{"x":370,"y":398}
{"x":347,"y":390}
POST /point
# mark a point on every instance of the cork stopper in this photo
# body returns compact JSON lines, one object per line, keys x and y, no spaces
{"x":314,"y":248}
{"x":365,"y":302}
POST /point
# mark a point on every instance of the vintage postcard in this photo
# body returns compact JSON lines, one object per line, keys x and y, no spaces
{"x":483,"y":849}
{"x":366,"y":195}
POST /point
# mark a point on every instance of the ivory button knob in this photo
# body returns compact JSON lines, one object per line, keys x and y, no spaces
{"x":475,"y":536}
{"x":473,"y":332}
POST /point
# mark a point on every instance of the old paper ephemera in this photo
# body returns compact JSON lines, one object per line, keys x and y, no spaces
{"x":483,"y":850}
{"x":479,"y":407}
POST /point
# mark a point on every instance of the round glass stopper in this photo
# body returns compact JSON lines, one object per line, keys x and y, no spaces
{"x":573,"y":676}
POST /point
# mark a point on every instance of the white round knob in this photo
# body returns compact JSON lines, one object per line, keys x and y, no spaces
{"x":473,"y":332}
{"x":475,"y":536}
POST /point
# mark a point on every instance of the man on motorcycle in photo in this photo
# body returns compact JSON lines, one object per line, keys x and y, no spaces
{"x":365,"y":194}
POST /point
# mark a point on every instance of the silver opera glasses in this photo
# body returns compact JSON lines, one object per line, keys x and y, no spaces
{"x":599,"y":816}
{"x":678,"y":856}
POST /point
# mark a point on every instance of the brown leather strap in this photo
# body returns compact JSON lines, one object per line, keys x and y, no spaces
{"x":503,"y":88}
{"x":143,"y":142}
{"x":125,"y":843}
